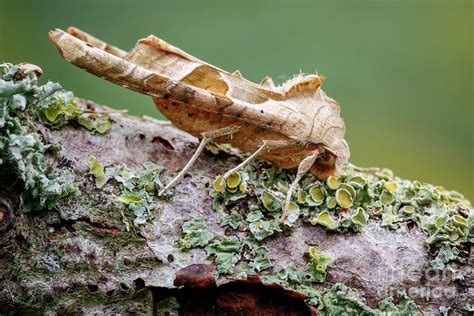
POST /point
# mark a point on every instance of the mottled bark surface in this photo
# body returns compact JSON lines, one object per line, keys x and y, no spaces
{"x":79,"y":257}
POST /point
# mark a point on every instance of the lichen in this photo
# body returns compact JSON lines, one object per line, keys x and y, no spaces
{"x":257,"y":256}
{"x":59,"y":109}
{"x":138,"y":187}
{"x":22,"y":153}
{"x":97,"y":170}
{"x":225,"y":251}
{"x":195,"y":234}
{"x":318,"y":264}
{"x":338,"y":299}
{"x":344,"y":203}
{"x":228,"y":251}
{"x":342,"y":300}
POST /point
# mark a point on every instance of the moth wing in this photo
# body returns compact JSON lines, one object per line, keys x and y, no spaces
{"x":161,"y":57}
{"x":289,"y":108}
{"x":95,"y":42}
{"x":161,"y":70}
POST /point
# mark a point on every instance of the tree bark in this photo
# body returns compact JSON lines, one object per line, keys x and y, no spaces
{"x":79,"y":257}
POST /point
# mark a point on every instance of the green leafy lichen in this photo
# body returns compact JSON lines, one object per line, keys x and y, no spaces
{"x":257,"y":256}
{"x":343,"y":203}
{"x":59,"y":109}
{"x":226,"y":253}
{"x":234,"y":219}
{"x":318,"y":264}
{"x":324,"y":219}
{"x":21,"y":151}
{"x":338,"y":299}
{"x":129,"y":198}
{"x":196,"y":234}
{"x":342,"y":300}
{"x":445,"y":255}
{"x":232,"y":189}
{"x":97,"y":170}
{"x":291,"y":278}
{"x":138,"y":187}
{"x":348,"y":202}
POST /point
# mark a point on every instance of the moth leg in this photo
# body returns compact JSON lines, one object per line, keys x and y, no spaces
{"x":267,"y":145}
{"x":303,"y":168}
{"x":207,"y":137}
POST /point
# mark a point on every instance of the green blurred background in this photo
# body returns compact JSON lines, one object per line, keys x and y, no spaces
{"x":402,"y":70}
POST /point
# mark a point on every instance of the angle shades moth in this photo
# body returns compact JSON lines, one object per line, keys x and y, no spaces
{"x":294,"y":125}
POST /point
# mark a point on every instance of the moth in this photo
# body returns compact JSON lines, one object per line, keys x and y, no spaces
{"x":295,"y":125}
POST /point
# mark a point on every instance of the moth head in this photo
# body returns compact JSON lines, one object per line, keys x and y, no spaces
{"x":331,"y":160}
